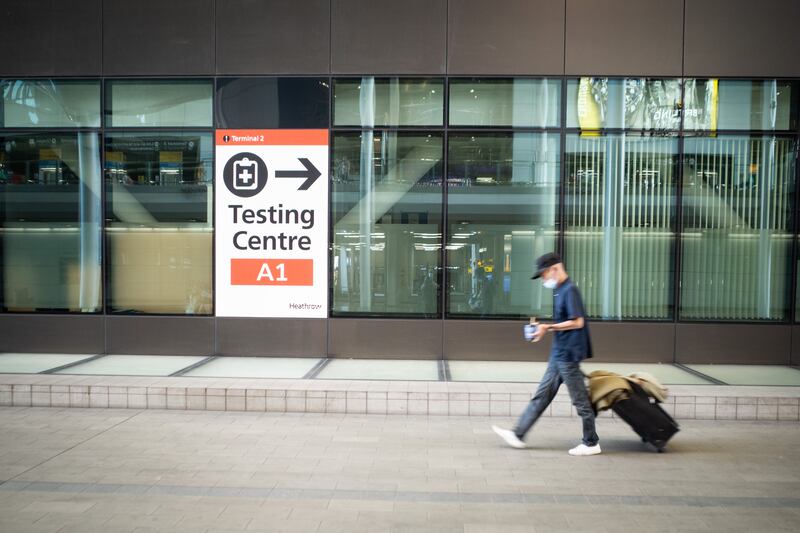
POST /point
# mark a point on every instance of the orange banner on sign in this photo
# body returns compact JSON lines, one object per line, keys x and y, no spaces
{"x":272,"y":137}
{"x":294,"y":272}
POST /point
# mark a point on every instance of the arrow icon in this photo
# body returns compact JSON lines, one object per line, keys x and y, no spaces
{"x":310,"y":173}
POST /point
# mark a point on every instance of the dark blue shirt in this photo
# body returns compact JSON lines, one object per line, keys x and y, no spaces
{"x":574,"y":344}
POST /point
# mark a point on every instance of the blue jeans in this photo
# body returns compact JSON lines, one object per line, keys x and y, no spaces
{"x":559,"y":372}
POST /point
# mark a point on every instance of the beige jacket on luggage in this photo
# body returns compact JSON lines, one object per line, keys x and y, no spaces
{"x":606,"y":388}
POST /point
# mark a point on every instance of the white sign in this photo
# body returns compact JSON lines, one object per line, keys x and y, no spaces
{"x":272,"y":223}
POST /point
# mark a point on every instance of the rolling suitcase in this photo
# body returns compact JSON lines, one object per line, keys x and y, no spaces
{"x":646,"y":417}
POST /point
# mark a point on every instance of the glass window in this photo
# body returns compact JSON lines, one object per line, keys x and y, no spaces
{"x":505,"y":102}
{"x":158,"y":103}
{"x":50,"y":104}
{"x":372,"y":102}
{"x":273,"y":103}
{"x":386,"y":211}
{"x":159,"y":222}
{"x":502,"y":198}
{"x":741,"y":104}
{"x":736,"y":242}
{"x":633,"y":103}
{"x":50,"y":194}
{"x":620,"y":215}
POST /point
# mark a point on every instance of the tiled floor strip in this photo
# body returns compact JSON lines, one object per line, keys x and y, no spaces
{"x":368,"y":397}
{"x":278,"y":493}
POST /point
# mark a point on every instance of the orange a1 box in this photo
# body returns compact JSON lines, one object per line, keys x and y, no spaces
{"x":295,"y":272}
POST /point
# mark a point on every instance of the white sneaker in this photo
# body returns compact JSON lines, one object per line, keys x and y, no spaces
{"x":583,"y":449}
{"x":509,"y":436}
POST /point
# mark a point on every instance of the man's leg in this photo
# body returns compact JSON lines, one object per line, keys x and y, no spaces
{"x":573,"y":379}
{"x":547,"y":390}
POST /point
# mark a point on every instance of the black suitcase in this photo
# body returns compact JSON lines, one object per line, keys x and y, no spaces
{"x":646,"y":417}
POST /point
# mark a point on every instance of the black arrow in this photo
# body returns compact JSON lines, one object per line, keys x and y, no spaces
{"x":310,"y":173}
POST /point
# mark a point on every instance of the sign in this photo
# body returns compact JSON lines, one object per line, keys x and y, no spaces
{"x":272,"y":223}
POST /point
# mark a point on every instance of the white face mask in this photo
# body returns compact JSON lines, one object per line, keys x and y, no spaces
{"x":550,"y":283}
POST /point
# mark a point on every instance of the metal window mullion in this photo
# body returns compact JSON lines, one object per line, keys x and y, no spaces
{"x":678,"y":225}
{"x":795,"y":209}
{"x":105,"y":289}
{"x":443,"y":278}
{"x":562,"y":186}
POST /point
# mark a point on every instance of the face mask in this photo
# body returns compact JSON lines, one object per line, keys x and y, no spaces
{"x":550,"y":283}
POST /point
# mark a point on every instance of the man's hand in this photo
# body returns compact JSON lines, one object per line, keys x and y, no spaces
{"x":541,"y":329}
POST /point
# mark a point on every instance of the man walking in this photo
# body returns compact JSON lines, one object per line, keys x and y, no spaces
{"x":571,"y":344}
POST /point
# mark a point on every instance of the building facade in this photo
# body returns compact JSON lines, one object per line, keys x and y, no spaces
{"x":654,"y":144}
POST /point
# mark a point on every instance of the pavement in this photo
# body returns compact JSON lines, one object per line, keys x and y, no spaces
{"x":147,"y":470}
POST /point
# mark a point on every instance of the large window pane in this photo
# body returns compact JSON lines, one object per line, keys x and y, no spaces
{"x":741,"y":104}
{"x":159,"y":103}
{"x":300,"y":103}
{"x":50,"y":202}
{"x":620,"y":203}
{"x":50,"y":103}
{"x":372,"y":102}
{"x":501,"y":214}
{"x":634,"y":103}
{"x":736,"y":242}
{"x":505,"y":102}
{"x":159,"y":222}
{"x":387,"y":235}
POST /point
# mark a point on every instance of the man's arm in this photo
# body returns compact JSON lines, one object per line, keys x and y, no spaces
{"x":575,"y":323}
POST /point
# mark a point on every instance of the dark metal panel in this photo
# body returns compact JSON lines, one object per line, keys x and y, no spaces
{"x":508,"y":37}
{"x":51,"y":334}
{"x":160,"y":335}
{"x":279,"y":337}
{"x":491,"y":341}
{"x":256,"y":37}
{"x":742,"y":38}
{"x":795,"y":355}
{"x":388,"y":37}
{"x":624,"y":37}
{"x":47,"y":38}
{"x":733,"y":343}
{"x":385,"y":338}
{"x":626,"y":342}
{"x":154,"y":37}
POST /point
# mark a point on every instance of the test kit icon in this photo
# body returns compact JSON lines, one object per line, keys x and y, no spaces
{"x":245,"y":175}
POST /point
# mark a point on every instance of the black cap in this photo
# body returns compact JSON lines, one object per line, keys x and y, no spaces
{"x":544,"y":262}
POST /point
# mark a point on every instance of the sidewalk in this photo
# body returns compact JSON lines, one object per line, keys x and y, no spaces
{"x":125,"y":470}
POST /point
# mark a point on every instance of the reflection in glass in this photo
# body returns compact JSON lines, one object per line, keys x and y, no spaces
{"x":50,"y":196}
{"x":736,"y":241}
{"x":505,"y":102}
{"x":742,"y":104}
{"x":159,"y":222}
{"x":373,"y":101}
{"x":620,"y":210}
{"x":50,"y":104}
{"x":502,"y":199}
{"x":635,"y":103}
{"x":386,"y":211}
{"x":159,"y":103}
{"x":300,"y":103}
